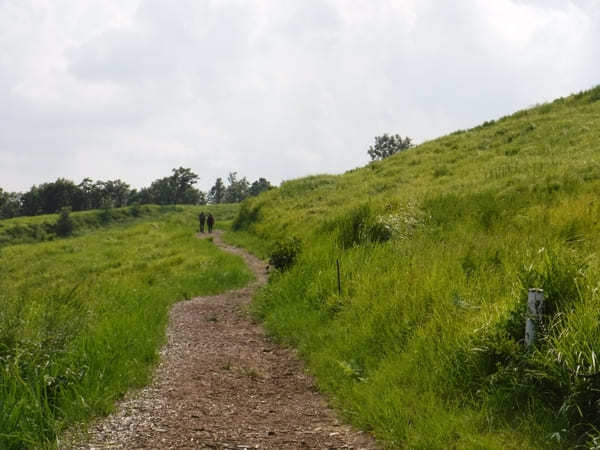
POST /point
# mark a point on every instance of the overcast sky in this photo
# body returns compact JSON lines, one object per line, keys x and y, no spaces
{"x":274,"y":88}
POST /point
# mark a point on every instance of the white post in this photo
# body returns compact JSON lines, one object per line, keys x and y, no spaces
{"x":535,"y":311}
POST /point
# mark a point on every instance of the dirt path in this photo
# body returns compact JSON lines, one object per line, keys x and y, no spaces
{"x":222,"y":384}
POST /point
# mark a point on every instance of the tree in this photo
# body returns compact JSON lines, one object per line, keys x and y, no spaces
{"x":30,"y":202}
{"x":64,"y":225}
{"x":161,"y":191}
{"x":237,"y":190}
{"x":143,"y":196}
{"x":260,"y":185}
{"x":48,"y":198}
{"x":116,"y":191}
{"x":182,"y":182}
{"x":217,"y":192}
{"x":388,"y":145}
{"x":84,"y":197}
{"x":176,"y":189}
{"x":201,"y":198}
{"x":10,"y":204}
{"x":57,"y":194}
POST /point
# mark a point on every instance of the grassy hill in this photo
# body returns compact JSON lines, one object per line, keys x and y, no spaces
{"x":437,"y":247}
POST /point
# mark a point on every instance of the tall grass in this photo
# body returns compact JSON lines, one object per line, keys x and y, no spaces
{"x":438,"y":246}
{"x":81,"y":319}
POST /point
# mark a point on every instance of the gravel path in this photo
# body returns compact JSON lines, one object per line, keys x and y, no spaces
{"x":222,"y":384}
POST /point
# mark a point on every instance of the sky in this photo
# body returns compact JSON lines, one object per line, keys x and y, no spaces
{"x":279,"y":89}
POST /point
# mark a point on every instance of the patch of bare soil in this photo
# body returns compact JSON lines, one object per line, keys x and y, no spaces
{"x":223,"y":384}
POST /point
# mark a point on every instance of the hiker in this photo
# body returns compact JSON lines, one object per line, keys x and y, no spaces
{"x":210,"y":221}
{"x":201,"y":218}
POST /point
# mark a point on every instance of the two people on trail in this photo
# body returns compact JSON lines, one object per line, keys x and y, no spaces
{"x":210,"y":221}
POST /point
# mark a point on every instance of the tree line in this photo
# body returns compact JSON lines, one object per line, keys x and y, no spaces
{"x":177,"y":188}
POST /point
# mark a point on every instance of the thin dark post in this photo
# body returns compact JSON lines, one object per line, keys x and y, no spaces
{"x":339,"y":280}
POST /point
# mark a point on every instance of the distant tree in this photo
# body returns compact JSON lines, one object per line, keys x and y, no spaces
{"x":116,"y":191}
{"x":143,"y":196}
{"x":217,"y":192}
{"x":237,"y":190}
{"x":202,"y":200}
{"x":83,"y":197}
{"x":260,"y":185}
{"x":161,"y":191}
{"x":191,"y":196}
{"x":183,"y":181}
{"x":57,"y":194}
{"x":134,"y":197}
{"x":10,"y":204}
{"x":64,"y":225}
{"x":176,"y":189}
{"x":51,"y":197}
{"x":388,"y":145}
{"x":30,"y":202}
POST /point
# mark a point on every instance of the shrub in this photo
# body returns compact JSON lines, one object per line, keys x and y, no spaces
{"x":360,"y":226}
{"x":64,"y":225}
{"x":246,"y":217}
{"x":105,"y":215}
{"x":136,"y":210}
{"x":440,"y":171}
{"x":285,"y":253}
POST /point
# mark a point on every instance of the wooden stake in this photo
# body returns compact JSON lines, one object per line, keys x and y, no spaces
{"x":339,"y":279}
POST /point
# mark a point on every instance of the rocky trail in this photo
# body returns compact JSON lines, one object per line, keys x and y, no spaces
{"x":222,"y":384}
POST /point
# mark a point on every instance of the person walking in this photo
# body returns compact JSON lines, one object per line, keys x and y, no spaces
{"x":210,"y":221}
{"x":202,"y":219}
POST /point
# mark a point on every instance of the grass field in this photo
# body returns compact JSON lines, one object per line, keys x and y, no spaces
{"x":21,"y":230}
{"x":82,"y":318}
{"x":437,"y":247}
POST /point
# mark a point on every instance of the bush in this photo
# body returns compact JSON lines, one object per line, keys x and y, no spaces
{"x":285,"y":253}
{"x":246,"y":217}
{"x":105,"y":215}
{"x":136,"y":210}
{"x":440,"y":172}
{"x":360,"y":226}
{"x":64,"y":225}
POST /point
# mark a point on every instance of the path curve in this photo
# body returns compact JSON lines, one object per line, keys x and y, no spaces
{"x":221,"y":383}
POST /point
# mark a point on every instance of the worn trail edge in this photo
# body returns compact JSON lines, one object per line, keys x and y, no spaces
{"x":222,"y":384}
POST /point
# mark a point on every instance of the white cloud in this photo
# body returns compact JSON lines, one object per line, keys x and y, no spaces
{"x":274,"y":88}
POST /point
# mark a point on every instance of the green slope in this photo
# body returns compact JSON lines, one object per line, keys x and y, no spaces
{"x":437,"y":247}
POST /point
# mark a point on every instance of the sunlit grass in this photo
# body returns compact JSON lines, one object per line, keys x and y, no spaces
{"x":81,"y":319}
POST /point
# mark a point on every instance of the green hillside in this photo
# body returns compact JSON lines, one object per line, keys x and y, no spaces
{"x":437,"y":247}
